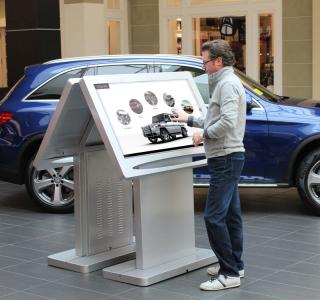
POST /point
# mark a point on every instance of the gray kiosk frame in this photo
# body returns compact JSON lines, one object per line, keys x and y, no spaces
{"x":106,"y":181}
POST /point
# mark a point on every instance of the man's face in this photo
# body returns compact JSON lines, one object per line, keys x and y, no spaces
{"x":211,"y":65}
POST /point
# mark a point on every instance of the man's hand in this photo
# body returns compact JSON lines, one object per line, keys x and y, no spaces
{"x":179,"y":116}
{"x":197,"y":138}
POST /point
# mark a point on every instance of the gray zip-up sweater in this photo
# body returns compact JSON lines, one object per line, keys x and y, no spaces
{"x":224,"y":124}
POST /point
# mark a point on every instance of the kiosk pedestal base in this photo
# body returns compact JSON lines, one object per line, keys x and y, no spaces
{"x":128,"y":273}
{"x":85,"y":264}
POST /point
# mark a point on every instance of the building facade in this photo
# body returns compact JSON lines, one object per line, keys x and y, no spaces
{"x":276,"y":42}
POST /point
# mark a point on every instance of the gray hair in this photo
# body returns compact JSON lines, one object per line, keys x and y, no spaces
{"x":219,"y":48}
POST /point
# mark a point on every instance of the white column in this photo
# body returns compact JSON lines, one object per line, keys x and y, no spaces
{"x":316,"y":49}
{"x":83,"y":27}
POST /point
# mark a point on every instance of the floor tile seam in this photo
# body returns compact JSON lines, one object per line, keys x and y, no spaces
{"x":10,"y":294}
{"x":41,"y":239}
{"x":268,"y":257}
{"x":15,"y":264}
{"x":265,"y":267}
{"x":257,"y":235}
{"x":18,"y":235}
{"x":292,"y":285}
{"x":277,"y":238}
{"x":297,"y":227}
{"x":292,"y":221}
{"x":14,"y":216}
{"x":28,"y":290}
{"x":80,"y":288}
{"x":256,"y":293}
{"x":184,"y":294}
{"x":10,"y":224}
{"x":20,"y":263}
{"x":304,"y":233}
{"x":29,"y":276}
{"x":301,"y":273}
{"x":32,"y":294}
{"x":5,"y":287}
{"x":297,"y":251}
{"x":53,"y":234}
{"x":307,"y":259}
{"x":24,"y":248}
{"x":126,"y":291}
{"x":309,"y":244}
{"x":272,"y":221}
{"x":306,"y":262}
{"x":29,"y":227}
{"x":91,"y":290}
{"x":250,"y":250}
{"x":275,"y":229}
{"x":296,"y":263}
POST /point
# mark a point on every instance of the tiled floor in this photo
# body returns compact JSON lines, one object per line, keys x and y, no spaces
{"x":282,"y":254}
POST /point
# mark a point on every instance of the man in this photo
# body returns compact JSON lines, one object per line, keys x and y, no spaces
{"x":222,"y":135}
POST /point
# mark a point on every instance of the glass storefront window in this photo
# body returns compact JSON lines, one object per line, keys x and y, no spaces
{"x":266,"y":51}
{"x":173,"y":3}
{"x":114,"y":37}
{"x":231,"y":29}
{"x":208,"y":2}
{"x":175,"y":34}
{"x":113,"y":4}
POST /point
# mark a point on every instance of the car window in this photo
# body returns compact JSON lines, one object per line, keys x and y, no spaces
{"x":122,"y":69}
{"x":11,"y":90}
{"x":199,"y":76}
{"x":257,"y":89}
{"x":52,"y":90}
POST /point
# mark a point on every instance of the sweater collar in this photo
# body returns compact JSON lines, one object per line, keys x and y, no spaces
{"x":215,"y":77}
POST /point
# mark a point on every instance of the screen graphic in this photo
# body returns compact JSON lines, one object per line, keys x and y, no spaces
{"x":140,"y":114}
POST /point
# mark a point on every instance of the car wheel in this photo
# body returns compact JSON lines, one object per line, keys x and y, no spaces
{"x":308,"y":180}
{"x":153,"y":140}
{"x":53,"y":189}
{"x":164,"y":135}
{"x":184,"y":132}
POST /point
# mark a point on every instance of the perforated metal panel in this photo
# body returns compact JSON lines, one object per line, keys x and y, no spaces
{"x":108,"y":215}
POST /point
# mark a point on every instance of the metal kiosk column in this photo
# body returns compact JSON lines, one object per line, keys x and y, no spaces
{"x":112,"y":149}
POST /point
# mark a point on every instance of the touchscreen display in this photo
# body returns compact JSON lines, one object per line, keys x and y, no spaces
{"x":140,"y":114}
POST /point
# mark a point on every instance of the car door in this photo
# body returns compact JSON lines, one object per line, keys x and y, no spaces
{"x":255,"y":141}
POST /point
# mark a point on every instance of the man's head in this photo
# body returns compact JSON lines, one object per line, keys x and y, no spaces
{"x":216,"y":55}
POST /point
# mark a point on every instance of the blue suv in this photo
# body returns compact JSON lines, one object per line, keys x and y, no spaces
{"x":282,"y":137}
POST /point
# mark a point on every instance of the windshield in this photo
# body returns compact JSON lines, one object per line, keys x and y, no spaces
{"x":257,"y":88}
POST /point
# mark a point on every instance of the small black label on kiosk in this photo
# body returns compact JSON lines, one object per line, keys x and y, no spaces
{"x":101,"y":86}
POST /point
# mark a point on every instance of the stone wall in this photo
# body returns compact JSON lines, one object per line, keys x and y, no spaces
{"x":297,"y":48}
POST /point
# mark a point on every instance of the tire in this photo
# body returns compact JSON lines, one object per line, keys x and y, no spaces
{"x":52,"y":189}
{"x":184,"y":132}
{"x":153,"y":140}
{"x":308,"y":180}
{"x":164,"y":135}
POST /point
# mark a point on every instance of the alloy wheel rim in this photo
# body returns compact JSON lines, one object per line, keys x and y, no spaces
{"x":54,"y":186}
{"x":313,"y":182}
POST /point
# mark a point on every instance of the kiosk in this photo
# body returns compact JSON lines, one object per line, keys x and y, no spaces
{"x":127,"y":151}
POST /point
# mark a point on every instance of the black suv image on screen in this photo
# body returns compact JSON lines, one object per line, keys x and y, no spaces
{"x":164,"y":128}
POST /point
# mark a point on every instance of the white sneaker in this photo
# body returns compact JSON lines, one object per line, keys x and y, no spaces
{"x":213,"y":271}
{"x":220,"y":283}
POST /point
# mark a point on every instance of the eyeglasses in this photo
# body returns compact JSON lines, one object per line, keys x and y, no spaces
{"x":207,"y":61}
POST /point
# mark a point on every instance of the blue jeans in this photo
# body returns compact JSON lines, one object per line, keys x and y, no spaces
{"x":223,"y":212}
